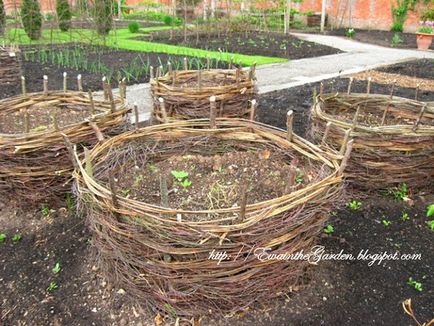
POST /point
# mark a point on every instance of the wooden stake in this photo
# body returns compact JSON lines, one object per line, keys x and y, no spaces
{"x":314,"y":94}
{"x":185,"y":63}
{"x":113,"y":190}
{"x":89,"y":167}
{"x":157,"y":72}
{"x":253,"y":107}
{"x":104,"y":87}
{"x":23,"y":85}
{"x":326,"y":133}
{"x":26,"y":122}
{"x":151,"y":72}
{"x":230,"y":62}
{"x":169,"y":68}
{"x":321,"y":89}
{"x":243,"y":202}
{"x":174,"y":78}
{"x":289,"y":124}
{"x":79,"y":83}
{"x":212,"y":112}
{"x":252,"y":71}
{"x":71,"y":150}
{"x":345,"y":141}
{"x":208,"y":63}
{"x":419,"y":118}
{"x":97,"y":131}
{"x":368,"y":88}
{"x":350,"y":84}
{"x":65,"y":79}
{"x":356,"y":116}
{"x":416,"y":95}
{"x":164,"y":193}
{"x":393,"y":88}
{"x":163,"y":109}
{"x":161,"y":71}
{"x":111,"y":98}
{"x":55,"y":122}
{"x":92,"y":104}
{"x":346,"y":157}
{"x":291,"y":179}
{"x":136,"y":115}
{"x":45,"y":84}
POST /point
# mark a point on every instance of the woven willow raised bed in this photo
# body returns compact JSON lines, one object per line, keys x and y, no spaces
{"x":161,"y":255}
{"x":10,"y":65}
{"x":393,"y":137}
{"x":34,"y":161}
{"x":181,"y":95}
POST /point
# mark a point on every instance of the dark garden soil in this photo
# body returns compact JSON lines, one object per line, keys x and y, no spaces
{"x":200,"y":182}
{"x":337,"y":292}
{"x":421,"y":68}
{"x":110,"y":62}
{"x":382,"y":38}
{"x":254,"y":43}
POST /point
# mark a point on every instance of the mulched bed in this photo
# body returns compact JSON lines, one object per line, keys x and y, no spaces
{"x":116,"y":60}
{"x":421,"y":68}
{"x":337,"y":292}
{"x":254,"y":43}
{"x":382,"y":38}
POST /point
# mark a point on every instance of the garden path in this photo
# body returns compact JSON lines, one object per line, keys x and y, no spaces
{"x":357,"y":57}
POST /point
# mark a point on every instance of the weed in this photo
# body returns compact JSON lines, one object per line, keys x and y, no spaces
{"x":2,"y":237}
{"x":354,"y":205}
{"x":152,"y":168}
{"x":399,"y":193}
{"x":300,"y":177}
{"x":350,"y":32}
{"x":16,"y":237}
{"x":329,"y":229}
{"x":138,"y":179}
{"x":430,"y":211}
{"x":416,"y":285}
{"x":56,"y":269}
{"x":386,"y":222}
{"x":52,"y":286}
{"x":431,"y":225}
{"x":182,"y":177}
{"x":396,"y":39}
{"x":70,"y":202}
{"x":45,"y":210}
{"x":125,"y":192}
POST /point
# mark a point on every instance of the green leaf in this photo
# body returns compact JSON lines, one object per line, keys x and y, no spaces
{"x":16,"y":237}
{"x":179,"y":175}
{"x":52,"y":286}
{"x":430,"y":211}
{"x":2,"y":237}
{"x":186,"y":183}
{"x":56,"y":269}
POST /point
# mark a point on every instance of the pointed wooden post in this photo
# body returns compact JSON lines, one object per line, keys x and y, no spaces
{"x":321,"y":89}
{"x":289,"y":125}
{"x":345,"y":141}
{"x":65,"y":80}
{"x":26,"y":122}
{"x":419,"y":118}
{"x":344,"y":162}
{"x":208,"y":63}
{"x":368,"y":87}
{"x":92,"y":104}
{"x":89,"y":167}
{"x":136,"y":116}
{"x":163,"y":109}
{"x":55,"y":122}
{"x":326,"y":133}
{"x":212,"y":112}
{"x":185,"y":63}
{"x":416,"y":95}
{"x":111,"y":98}
{"x":23,"y":85}
{"x":253,"y":107}
{"x":350,"y":85}
{"x":151,"y":72}
{"x":104,"y":87}
{"x":169,"y":68}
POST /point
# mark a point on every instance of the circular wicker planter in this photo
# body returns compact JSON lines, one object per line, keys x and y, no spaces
{"x":179,"y":95}
{"x":393,"y":137}
{"x":34,"y":162}
{"x":161,"y":255}
{"x":10,"y":65}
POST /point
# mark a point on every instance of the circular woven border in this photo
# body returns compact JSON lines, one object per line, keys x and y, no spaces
{"x":165,"y":263}
{"x":184,"y":102}
{"x":37,"y":165}
{"x":385,"y":155}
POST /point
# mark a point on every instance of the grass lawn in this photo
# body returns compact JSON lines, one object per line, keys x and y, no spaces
{"x":121,"y":38}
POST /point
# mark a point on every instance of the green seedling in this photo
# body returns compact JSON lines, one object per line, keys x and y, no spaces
{"x":386,"y":222}
{"x":182,"y":177}
{"x":2,"y":237}
{"x":56,"y":269}
{"x":329,"y":229}
{"x":399,"y":193}
{"x":405,"y":216}
{"x":16,"y":237}
{"x":186,"y":183}
{"x":415,"y":284}
{"x":70,"y":202}
{"x":52,"y":286}
{"x":430,"y":211}
{"x":125,"y":192}
{"x":138,"y":179}
{"x":152,"y":168}
{"x":45,"y":210}
{"x":431,"y":225}
{"x":300,"y":177}
{"x":354,"y":205}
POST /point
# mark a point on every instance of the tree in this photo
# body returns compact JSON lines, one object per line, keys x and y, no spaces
{"x":64,"y":15}
{"x":2,"y":18}
{"x":103,"y":16}
{"x":32,"y":18}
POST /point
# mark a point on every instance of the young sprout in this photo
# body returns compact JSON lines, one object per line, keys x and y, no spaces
{"x":354,"y":205}
{"x":430,"y":211}
{"x":56,"y":269}
{"x":182,"y":177}
{"x":52,"y":286}
{"x":415,"y":284}
{"x":329,"y":229}
{"x":16,"y":237}
{"x":431,"y":225}
{"x":45,"y":210}
{"x":405,"y":216}
{"x":386,"y":222}
{"x":2,"y":237}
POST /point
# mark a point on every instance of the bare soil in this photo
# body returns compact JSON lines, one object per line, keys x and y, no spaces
{"x":252,"y":43}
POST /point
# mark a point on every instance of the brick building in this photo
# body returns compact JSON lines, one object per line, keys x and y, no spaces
{"x":367,"y":14}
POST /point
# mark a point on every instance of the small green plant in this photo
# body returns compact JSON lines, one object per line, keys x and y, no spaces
{"x":431,"y":225}
{"x":133,"y":27}
{"x":45,"y":210}
{"x":31,"y":18}
{"x":426,"y":30}
{"x":329,"y":229}
{"x":57,"y":268}
{"x":138,"y":179}
{"x":386,"y":222}
{"x":2,"y":237}
{"x":125,"y":192}
{"x":300,"y":177}
{"x":430,"y":210}
{"x":415,"y":284}
{"x":52,"y":286}
{"x":182,"y":177}
{"x":396,"y":39}
{"x":354,"y":205}
{"x":16,"y":237}
{"x":350,"y":32}
{"x":152,"y":168}
{"x":70,"y":202}
{"x":405,"y":216}
{"x":399,"y":193}
{"x":64,"y":15}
